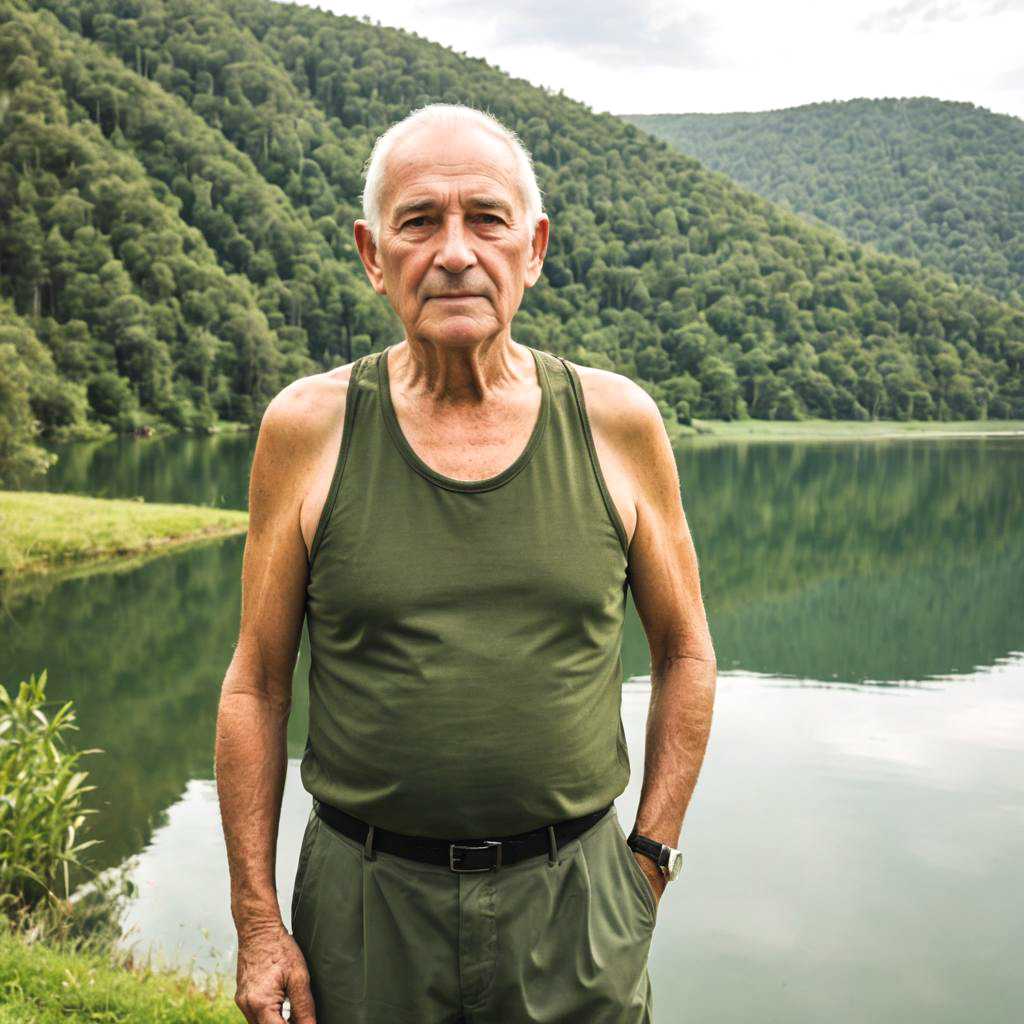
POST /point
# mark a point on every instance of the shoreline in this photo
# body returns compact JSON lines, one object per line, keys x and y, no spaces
{"x":45,"y":534}
{"x":49,"y":535}
{"x":842,"y":430}
{"x":50,"y":984}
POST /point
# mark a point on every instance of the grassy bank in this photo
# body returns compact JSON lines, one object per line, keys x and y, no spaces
{"x":40,"y":531}
{"x":842,"y":430}
{"x":39,"y":985}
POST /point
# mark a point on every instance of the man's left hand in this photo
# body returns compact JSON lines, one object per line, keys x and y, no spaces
{"x":654,"y":876}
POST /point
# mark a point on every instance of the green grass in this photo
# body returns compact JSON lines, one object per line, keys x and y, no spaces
{"x":843,"y":430}
{"x":42,"y":531}
{"x":39,"y":985}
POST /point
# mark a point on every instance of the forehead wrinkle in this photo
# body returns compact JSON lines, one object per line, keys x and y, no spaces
{"x":469,"y":196}
{"x":471,"y":177}
{"x":445,"y":167}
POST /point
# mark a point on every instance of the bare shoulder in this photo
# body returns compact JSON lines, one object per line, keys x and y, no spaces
{"x":308,"y":407}
{"x":622,"y":413}
{"x":300,"y":423}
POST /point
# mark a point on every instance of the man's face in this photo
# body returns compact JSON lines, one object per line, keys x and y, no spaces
{"x":454,"y":254}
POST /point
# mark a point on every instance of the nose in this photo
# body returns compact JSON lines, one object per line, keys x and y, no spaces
{"x":455,"y":250}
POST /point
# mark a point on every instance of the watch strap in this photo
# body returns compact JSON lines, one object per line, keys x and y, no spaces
{"x":648,"y":847}
{"x":666,"y":857}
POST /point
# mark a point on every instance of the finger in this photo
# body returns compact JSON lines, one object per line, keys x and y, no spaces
{"x":260,"y":1007}
{"x":301,"y":998}
{"x":269,"y":1015}
{"x":249,"y":1011}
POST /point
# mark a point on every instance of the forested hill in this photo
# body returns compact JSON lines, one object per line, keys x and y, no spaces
{"x":940,"y":182}
{"x":178,"y":181}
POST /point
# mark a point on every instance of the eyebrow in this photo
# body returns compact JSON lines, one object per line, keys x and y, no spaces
{"x":489,"y":203}
{"x":425,"y":205}
{"x":414,"y":206}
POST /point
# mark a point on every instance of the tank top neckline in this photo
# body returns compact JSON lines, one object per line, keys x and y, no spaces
{"x":447,"y":482}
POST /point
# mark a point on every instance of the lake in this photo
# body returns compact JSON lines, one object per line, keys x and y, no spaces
{"x":853,"y":849}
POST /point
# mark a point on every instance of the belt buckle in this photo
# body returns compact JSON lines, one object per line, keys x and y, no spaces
{"x":487,"y":844}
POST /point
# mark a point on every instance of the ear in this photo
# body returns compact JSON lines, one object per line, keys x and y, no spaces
{"x":538,"y":250}
{"x":369,"y":256}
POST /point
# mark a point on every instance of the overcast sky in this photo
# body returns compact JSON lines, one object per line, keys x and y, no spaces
{"x":671,"y":56}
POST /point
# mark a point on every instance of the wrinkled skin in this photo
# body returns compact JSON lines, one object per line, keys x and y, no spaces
{"x":270,"y":968}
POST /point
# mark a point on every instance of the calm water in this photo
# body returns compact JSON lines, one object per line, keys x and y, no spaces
{"x":854,"y":845}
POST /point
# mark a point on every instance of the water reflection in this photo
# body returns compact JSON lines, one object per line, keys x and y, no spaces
{"x":142,"y":654}
{"x":881,"y":560}
{"x":874,"y":561}
{"x":884,"y":562}
{"x":197,"y":470}
{"x":863,"y":787}
{"x":851,"y":856}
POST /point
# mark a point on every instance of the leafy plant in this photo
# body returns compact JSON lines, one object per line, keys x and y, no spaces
{"x":41,"y":812}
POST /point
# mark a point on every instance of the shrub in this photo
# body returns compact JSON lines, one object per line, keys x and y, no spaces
{"x":112,"y":399}
{"x":41,"y":813}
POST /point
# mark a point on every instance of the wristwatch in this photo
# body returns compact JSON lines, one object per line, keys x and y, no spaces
{"x":668,"y":859}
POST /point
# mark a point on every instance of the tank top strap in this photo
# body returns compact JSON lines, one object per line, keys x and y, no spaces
{"x":574,"y":399}
{"x":359,"y":404}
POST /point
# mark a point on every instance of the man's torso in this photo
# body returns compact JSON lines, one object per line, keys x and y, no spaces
{"x":465,"y":632}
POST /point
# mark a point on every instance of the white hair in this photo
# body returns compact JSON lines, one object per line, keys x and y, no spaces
{"x":451,"y":114}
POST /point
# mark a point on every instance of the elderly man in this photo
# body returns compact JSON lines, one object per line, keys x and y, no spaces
{"x":458,"y":518}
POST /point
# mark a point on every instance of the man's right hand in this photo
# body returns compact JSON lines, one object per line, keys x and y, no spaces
{"x":271,"y":967}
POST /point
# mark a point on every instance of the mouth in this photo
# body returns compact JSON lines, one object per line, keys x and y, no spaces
{"x":454,"y":296}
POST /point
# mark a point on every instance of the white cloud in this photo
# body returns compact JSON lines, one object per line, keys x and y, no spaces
{"x":927,"y":12}
{"x":662,"y":56}
{"x":651,"y":36}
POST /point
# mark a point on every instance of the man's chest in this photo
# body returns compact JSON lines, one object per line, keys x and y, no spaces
{"x":469,"y":447}
{"x":473,"y":449}
{"x":478,"y":461}
{"x":480,"y":451}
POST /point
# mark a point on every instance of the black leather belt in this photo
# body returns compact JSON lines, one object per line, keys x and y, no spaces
{"x":460,"y":854}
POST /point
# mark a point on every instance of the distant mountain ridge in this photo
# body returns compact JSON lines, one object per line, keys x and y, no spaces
{"x":178,"y":180}
{"x":937,"y":181}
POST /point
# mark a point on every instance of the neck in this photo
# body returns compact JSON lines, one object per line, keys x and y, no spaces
{"x":451,"y":375}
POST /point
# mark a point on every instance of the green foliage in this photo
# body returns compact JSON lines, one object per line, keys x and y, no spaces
{"x":938,"y":181}
{"x":41,"y":790}
{"x":18,"y":428}
{"x":111,"y":398}
{"x":58,"y":405}
{"x":178,"y":182}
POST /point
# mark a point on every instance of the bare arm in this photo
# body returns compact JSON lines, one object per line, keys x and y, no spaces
{"x":665,"y":583}
{"x":251,"y":751}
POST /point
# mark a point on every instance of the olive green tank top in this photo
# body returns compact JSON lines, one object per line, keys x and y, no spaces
{"x":465,"y":636}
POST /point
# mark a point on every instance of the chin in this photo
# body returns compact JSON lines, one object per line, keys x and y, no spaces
{"x":460,"y":332}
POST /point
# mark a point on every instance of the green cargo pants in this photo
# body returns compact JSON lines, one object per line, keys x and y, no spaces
{"x":558,"y":939}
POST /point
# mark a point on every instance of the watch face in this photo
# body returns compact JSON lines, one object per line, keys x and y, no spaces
{"x":675,"y":864}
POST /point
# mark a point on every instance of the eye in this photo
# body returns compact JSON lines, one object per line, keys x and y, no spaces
{"x":489,"y":218}
{"x":414,"y":222}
